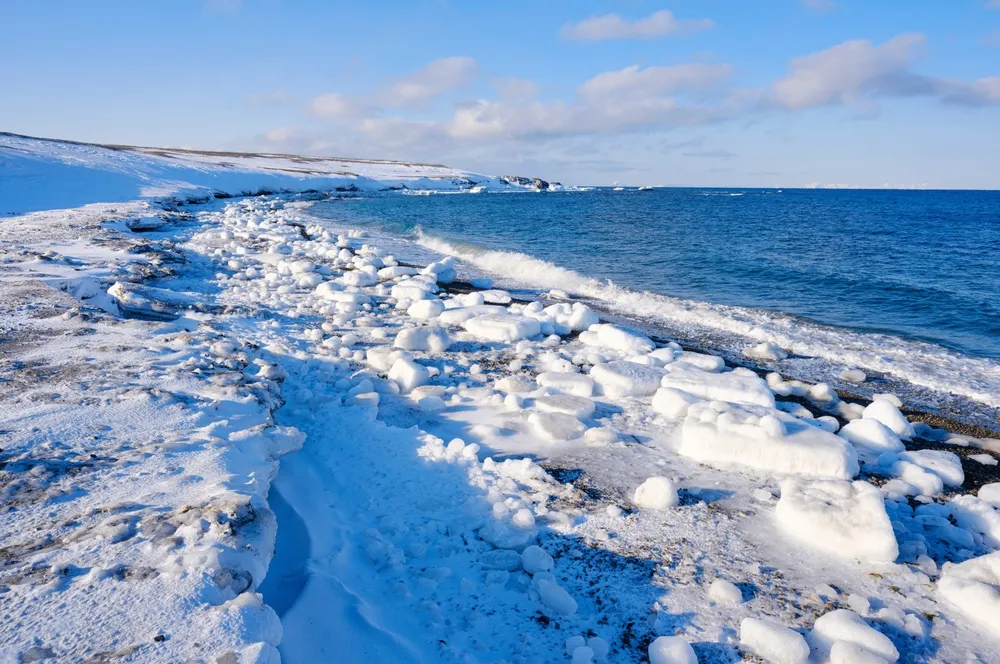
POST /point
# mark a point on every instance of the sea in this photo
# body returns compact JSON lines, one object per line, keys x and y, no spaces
{"x":902,"y":284}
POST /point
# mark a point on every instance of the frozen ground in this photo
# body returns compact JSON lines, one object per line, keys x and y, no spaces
{"x":464,"y":476}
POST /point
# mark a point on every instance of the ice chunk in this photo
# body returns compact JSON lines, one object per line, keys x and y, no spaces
{"x":459,"y":315}
{"x":503,"y":328}
{"x":556,"y":426}
{"x":555,"y":597}
{"x":871,"y":437}
{"x":429,"y":339}
{"x":613,"y":337}
{"x":579,"y":407}
{"x":985,"y":459}
{"x":656,"y":493}
{"x":990,"y":493}
{"x":626,"y":379}
{"x":515,"y":384}
{"x":426,"y":309}
{"x":736,"y":438}
{"x":535,"y":559}
{"x":408,"y":374}
{"x":703,"y":361}
{"x":394,"y":272}
{"x":773,"y":642}
{"x":888,"y":414}
{"x":671,"y":650}
{"x":844,"y":625}
{"x":738,"y":386}
{"x":853,"y":375}
{"x":846,"y":519}
{"x":974,"y":587}
{"x":765,"y":351}
{"x":673,"y":403}
{"x":945,"y":465}
{"x":725,"y":592}
{"x":920,"y":480}
{"x":567,"y":383}
{"x":845,"y":652}
{"x":978,"y":516}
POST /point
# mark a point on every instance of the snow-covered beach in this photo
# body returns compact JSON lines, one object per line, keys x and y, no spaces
{"x":236,"y":432}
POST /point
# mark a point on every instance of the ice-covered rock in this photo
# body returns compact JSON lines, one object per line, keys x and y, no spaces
{"x":725,"y":436}
{"x":847,"y":626}
{"x":945,"y":465}
{"x":579,"y":407}
{"x":408,"y":374}
{"x":429,"y":339}
{"x":845,"y":652}
{"x":613,"y":337}
{"x":502,"y":328}
{"x":871,"y":438}
{"x":515,"y":384}
{"x":673,"y":403}
{"x":554,"y":596}
{"x":853,"y":375}
{"x":773,"y":642}
{"x":990,"y":493}
{"x":656,"y":493}
{"x":737,"y":386}
{"x":426,"y":309}
{"x":671,"y":650}
{"x":846,"y":519}
{"x":567,"y":383}
{"x":725,"y":592}
{"x":888,"y":414}
{"x":974,"y":588}
{"x":535,"y":559}
{"x":626,"y":379}
{"x":977,"y":516}
{"x":556,"y":426}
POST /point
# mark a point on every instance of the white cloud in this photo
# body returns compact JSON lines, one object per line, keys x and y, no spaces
{"x":273,"y":97}
{"x":437,"y":78}
{"x":633,"y":82}
{"x":851,"y":71}
{"x":856,"y":73}
{"x":336,"y":106}
{"x":613,"y":26}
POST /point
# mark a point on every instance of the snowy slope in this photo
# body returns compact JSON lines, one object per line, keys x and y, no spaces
{"x":41,"y":174}
{"x":234,"y":432}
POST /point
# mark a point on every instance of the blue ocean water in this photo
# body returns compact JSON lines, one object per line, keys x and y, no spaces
{"x":922,"y":265}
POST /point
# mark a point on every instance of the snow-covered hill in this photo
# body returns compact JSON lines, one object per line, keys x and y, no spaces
{"x":42,"y":174}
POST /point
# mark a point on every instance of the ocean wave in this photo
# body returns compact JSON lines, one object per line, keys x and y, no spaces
{"x":919,"y":363}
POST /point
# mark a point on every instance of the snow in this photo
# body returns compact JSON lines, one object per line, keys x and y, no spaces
{"x":656,"y":493}
{"x":990,"y":493}
{"x":846,"y":626}
{"x":974,"y":587}
{"x":671,"y":650}
{"x":871,"y":438}
{"x":846,"y":519}
{"x":773,"y":642}
{"x":273,"y":430}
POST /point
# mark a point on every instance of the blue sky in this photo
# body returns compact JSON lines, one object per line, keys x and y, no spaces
{"x":710,"y":92}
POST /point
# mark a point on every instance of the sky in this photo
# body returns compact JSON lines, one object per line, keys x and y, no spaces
{"x":899,"y":93}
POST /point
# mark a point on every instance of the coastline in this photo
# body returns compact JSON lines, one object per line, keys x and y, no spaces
{"x":160,"y":410}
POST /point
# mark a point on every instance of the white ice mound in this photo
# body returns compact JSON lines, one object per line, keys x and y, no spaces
{"x":773,"y":642}
{"x":579,"y":407}
{"x":846,"y":519}
{"x":847,"y":626}
{"x":428,"y":339}
{"x":606,"y":335}
{"x":725,"y":592}
{"x":567,"y":383}
{"x":459,"y":315}
{"x":871,"y":437}
{"x":671,"y":650}
{"x":426,"y":309}
{"x":503,"y":328}
{"x":726,"y":435}
{"x":408,"y":374}
{"x":977,"y":516}
{"x":703,"y":361}
{"x":974,"y":587}
{"x":673,"y":403}
{"x":738,"y":386}
{"x":888,"y":414}
{"x":945,"y":465}
{"x":556,"y":426}
{"x":656,"y":493}
{"x":990,"y":493}
{"x":626,"y":379}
